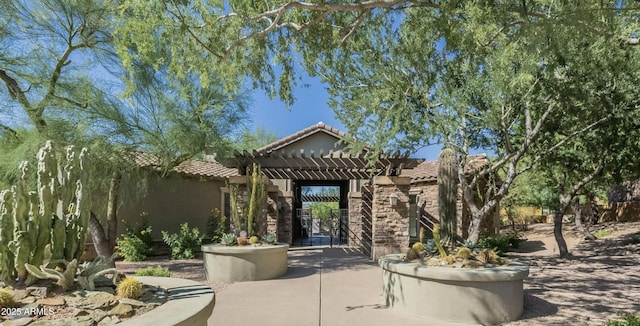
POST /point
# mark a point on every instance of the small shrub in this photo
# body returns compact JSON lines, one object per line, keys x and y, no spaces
{"x":635,"y":239}
{"x":135,"y":243}
{"x":500,"y":244}
{"x":129,"y":288}
{"x":185,"y":243}
{"x":602,"y":233}
{"x":625,"y":320}
{"x":132,"y":248}
{"x":153,"y":271}
{"x":215,"y":227}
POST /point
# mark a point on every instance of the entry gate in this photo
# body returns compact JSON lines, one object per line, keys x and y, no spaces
{"x":323,"y":230}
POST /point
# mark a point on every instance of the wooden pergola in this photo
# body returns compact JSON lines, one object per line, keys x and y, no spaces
{"x":334,"y":165}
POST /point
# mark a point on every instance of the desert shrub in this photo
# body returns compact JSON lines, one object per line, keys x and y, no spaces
{"x":135,"y":243}
{"x":624,"y":320}
{"x":635,"y":239}
{"x":215,"y":227}
{"x":153,"y":271}
{"x":602,"y":233}
{"x":502,"y":243}
{"x":185,"y":243}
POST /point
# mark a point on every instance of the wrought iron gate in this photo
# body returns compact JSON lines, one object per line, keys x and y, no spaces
{"x":323,"y":230}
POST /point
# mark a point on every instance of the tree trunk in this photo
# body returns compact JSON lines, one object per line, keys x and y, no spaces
{"x":99,"y":238}
{"x":578,"y":220}
{"x":112,"y":209}
{"x":557,"y":233}
{"x":474,"y":229}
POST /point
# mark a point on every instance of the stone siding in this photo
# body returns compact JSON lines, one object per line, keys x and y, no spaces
{"x":390,"y":223}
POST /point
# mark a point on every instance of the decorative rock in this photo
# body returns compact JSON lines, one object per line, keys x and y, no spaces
{"x":109,"y":320}
{"x":17,"y":322}
{"x":121,"y":310}
{"x":39,"y":291}
{"x":28,"y":300}
{"x":96,"y":300}
{"x":30,"y":309}
{"x":132,"y":302}
{"x":57,"y":301}
{"x":20,"y":294}
{"x":107,"y":289}
{"x":98,"y":315}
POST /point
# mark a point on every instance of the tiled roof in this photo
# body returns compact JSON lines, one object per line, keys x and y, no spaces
{"x":319,"y":127}
{"x":192,"y":167}
{"x":428,"y":171}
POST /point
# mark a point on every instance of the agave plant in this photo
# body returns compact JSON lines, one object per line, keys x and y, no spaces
{"x":228,"y":239}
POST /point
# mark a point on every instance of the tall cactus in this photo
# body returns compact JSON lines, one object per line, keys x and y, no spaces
{"x":250,"y":216}
{"x":56,"y":214}
{"x":447,"y":194}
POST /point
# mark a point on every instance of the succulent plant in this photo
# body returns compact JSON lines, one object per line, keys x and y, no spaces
{"x":88,"y":271}
{"x":7,"y":300}
{"x":269,"y":238}
{"x":418,"y":247}
{"x":412,"y":254}
{"x":243,"y":234}
{"x":242,"y":241}
{"x":430,"y":247}
{"x":488,"y":256}
{"x":464,"y":253}
{"x":436,"y":239}
{"x":254,"y":240}
{"x":130,"y":288}
{"x":228,"y":239}
{"x":447,"y":194}
{"x":64,"y":278}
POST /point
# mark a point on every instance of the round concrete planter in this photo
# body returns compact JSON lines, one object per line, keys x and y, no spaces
{"x":244,"y":263}
{"x":486,"y":296}
{"x":190,"y":303}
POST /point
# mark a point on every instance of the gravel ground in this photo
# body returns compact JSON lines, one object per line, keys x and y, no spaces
{"x":599,"y":281}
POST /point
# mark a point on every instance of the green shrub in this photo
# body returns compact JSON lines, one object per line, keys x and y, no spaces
{"x":624,"y":320}
{"x":185,"y":243}
{"x":501,"y":244}
{"x":602,"y":233}
{"x":132,"y":248}
{"x":136,"y":243}
{"x":153,"y":271}
{"x":635,"y":239}
{"x":215,"y":227}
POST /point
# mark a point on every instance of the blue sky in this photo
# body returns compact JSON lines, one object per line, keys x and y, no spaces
{"x":310,"y":108}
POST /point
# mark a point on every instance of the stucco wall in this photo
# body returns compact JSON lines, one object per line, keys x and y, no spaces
{"x":170,"y":202}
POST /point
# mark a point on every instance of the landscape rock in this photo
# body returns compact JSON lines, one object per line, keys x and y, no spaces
{"x":18,"y":322}
{"x":121,"y":309}
{"x":56,"y":301}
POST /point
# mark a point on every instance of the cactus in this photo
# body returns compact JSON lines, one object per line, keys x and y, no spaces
{"x":436,"y":240}
{"x":64,"y":279}
{"x":447,"y":194}
{"x":129,"y":288}
{"x":423,"y":233}
{"x":464,"y":253}
{"x":418,"y":247}
{"x":411,"y":255}
{"x":57,"y":214}
{"x":7,"y":300}
{"x":228,"y":239}
{"x":254,"y":240}
{"x":251,"y":216}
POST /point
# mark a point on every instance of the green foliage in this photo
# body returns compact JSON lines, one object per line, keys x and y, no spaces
{"x":135,"y":243}
{"x":448,"y":195}
{"x":437,"y":241}
{"x":89,"y":271}
{"x":635,"y":238}
{"x":153,"y":271}
{"x":129,"y":288}
{"x":252,"y":140}
{"x":501,"y":244}
{"x":185,"y":243}
{"x":624,"y":320}
{"x":464,"y":253}
{"x":269,"y":238}
{"x":228,"y":239}
{"x":215,"y":227}
{"x":602,"y":233}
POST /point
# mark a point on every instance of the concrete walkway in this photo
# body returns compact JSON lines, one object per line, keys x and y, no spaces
{"x":323,"y":286}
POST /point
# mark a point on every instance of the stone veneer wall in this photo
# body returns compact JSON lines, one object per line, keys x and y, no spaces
{"x":241,"y":182}
{"x":355,"y":219}
{"x":390,"y":225}
{"x":285,"y":219}
{"x":272,"y":209}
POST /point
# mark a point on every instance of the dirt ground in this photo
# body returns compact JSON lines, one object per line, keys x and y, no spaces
{"x":599,"y":281}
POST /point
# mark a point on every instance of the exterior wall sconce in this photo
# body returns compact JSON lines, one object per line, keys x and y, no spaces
{"x":393,"y":199}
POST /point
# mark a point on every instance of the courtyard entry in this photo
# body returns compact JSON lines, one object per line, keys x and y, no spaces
{"x":319,"y":217}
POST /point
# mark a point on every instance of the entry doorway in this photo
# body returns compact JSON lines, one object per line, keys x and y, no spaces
{"x":321,"y":214}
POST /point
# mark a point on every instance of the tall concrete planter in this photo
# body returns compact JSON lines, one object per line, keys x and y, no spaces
{"x":189,"y":304}
{"x":244,"y":263}
{"x":486,"y":296}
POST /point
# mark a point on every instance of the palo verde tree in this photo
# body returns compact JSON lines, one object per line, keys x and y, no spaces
{"x":61,"y":80}
{"x":403,"y":74}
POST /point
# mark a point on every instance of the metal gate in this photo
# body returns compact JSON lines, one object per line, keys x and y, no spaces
{"x":323,"y":230}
